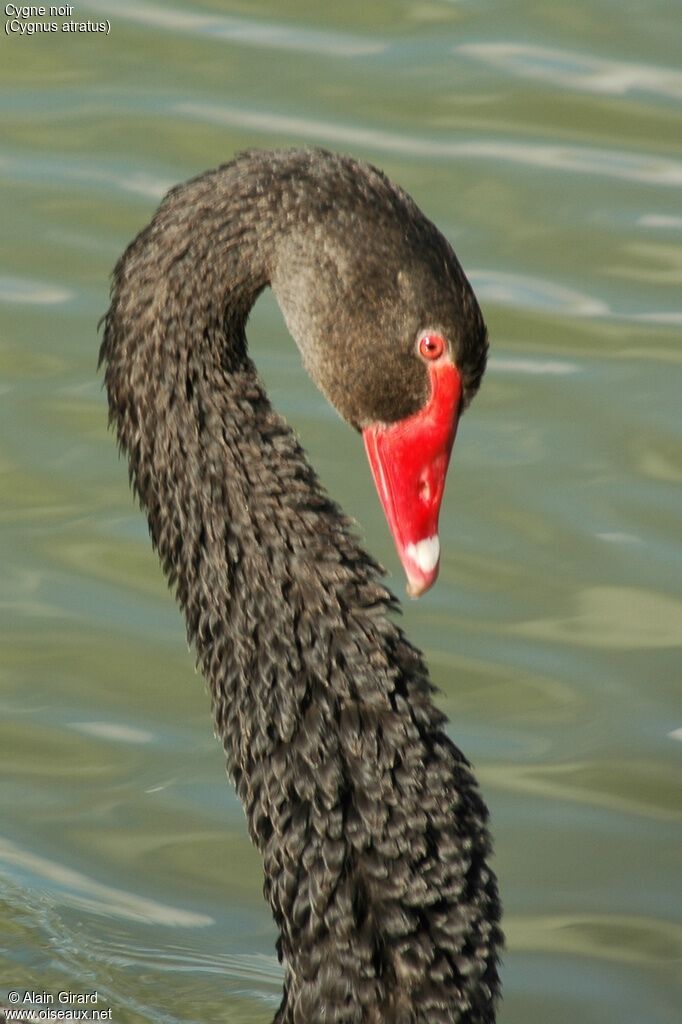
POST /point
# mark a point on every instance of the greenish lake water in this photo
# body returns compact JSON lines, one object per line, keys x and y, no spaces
{"x":546,"y":142}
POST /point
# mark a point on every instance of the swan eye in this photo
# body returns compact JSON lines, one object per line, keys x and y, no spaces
{"x":431,"y":346}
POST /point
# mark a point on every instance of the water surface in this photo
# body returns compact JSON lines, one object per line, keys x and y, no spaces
{"x":545,"y":141}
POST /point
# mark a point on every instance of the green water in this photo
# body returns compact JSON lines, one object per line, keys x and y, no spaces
{"x":545,"y":140}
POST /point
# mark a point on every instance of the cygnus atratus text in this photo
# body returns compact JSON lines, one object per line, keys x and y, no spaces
{"x":369,"y":820}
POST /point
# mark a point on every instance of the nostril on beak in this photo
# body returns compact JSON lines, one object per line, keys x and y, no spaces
{"x":424,"y":489}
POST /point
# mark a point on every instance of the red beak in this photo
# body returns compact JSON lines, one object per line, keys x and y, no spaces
{"x":409,"y":460}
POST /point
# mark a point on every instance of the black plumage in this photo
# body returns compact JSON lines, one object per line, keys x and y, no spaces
{"x":369,"y":820}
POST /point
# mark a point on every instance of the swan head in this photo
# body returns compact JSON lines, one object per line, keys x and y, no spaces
{"x":390,"y":331}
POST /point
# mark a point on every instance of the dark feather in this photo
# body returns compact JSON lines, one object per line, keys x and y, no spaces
{"x":370,"y":823}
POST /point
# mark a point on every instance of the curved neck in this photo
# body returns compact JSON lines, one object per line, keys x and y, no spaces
{"x":256,"y":551}
{"x":338,"y":754}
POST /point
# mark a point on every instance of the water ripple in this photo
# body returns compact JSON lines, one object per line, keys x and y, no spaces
{"x":116,"y":732}
{"x":61,"y":170}
{"x":576,"y":70}
{"x":648,"y":169}
{"x":667,"y":317}
{"x":639,"y":788}
{"x":617,"y":937}
{"x":245,"y":966}
{"x":620,"y":618}
{"x":668,"y":221}
{"x":87,"y":894}
{"x":244,"y":31}
{"x":533,"y":367}
{"x":531,"y":292}
{"x":32,"y":293}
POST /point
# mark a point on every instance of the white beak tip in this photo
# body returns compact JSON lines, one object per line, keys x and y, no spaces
{"x":425,"y":553}
{"x":420,"y":561}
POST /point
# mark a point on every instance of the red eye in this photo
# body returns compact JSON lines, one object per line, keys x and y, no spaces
{"x":431,"y":346}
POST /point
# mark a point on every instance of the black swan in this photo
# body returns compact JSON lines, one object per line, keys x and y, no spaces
{"x":369,"y":820}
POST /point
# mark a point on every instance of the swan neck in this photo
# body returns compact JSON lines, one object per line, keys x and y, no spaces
{"x":371,"y":828}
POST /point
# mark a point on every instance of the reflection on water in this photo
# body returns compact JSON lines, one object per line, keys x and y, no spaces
{"x":545,"y":141}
